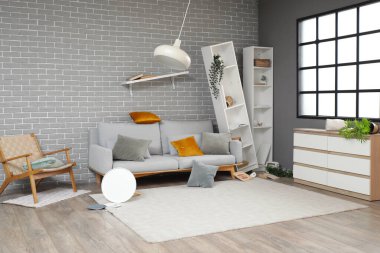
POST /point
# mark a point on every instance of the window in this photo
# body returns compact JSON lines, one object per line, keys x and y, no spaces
{"x":339,"y":63}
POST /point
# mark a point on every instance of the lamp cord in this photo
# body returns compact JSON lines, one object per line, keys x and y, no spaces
{"x":184,"y":18}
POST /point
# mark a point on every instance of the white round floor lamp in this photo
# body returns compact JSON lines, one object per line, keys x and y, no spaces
{"x":172,"y":55}
{"x":118,"y":185}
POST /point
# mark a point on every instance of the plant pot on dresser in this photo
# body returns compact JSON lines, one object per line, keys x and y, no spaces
{"x":325,"y":160}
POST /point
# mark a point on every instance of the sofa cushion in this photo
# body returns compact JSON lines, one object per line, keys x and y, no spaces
{"x":187,"y":162}
{"x":173,"y":127}
{"x":216,"y":143}
{"x":108,"y":133}
{"x":144,"y":117}
{"x":173,"y":151}
{"x":187,"y":147}
{"x":155,"y":163}
{"x":131,"y":149}
{"x":202,"y":175}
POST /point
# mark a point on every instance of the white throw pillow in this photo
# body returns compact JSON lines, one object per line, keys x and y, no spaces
{"x":334,"y":124}
{"x":173,"y":151}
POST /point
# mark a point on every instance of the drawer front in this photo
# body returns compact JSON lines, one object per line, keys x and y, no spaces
{"x":310,"y":157}
{"x":349,"y":164}
{"x":338,"y":144}
{"x":310,"y":174}
{"x":310,"y":141}
{"x":349,"y":183}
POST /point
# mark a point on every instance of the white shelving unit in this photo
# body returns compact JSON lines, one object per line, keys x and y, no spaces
{"x":259,"y":98}
{"x":171,"y":76}
{"x":232,"y":119}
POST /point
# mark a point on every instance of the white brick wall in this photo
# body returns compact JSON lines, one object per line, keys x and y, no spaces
{"x":62,"y":62}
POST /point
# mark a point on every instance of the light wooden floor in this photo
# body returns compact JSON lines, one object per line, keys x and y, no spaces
{"x":69,"y":227}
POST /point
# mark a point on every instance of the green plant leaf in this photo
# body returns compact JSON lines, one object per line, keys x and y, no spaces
{"x":356,"y":129}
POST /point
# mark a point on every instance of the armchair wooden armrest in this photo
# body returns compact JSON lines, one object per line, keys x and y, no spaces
{"x":16,"y":157}
{"x":56,"y":151}
{"x":66,"y":150}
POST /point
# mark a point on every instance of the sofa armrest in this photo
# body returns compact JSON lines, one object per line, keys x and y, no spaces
{"x":100,"y":159}
{"x":236,"y":149}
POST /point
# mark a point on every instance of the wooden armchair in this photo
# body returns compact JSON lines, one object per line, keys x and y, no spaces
{"x":17,"y":150}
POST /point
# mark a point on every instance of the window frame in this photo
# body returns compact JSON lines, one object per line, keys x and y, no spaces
{"x":356,"y":63}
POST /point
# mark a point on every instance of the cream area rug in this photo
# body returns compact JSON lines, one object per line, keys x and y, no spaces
{"x":46,"y":197}
{"x":168,"y":213}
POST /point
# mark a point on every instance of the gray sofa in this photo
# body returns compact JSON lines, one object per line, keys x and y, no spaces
{"x":103,"y":138}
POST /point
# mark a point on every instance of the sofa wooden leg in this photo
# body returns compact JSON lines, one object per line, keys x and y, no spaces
{"x":232,"y":171}
{"x":98,"y":178}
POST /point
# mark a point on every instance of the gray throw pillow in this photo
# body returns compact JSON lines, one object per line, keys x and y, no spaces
{"x":202,"y":175}
{"x":216,"y":143}
{"x":130,"y":149}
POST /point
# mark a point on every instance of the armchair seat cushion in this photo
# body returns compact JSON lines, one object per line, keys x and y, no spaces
{"x":45,"y":163}
{"x":65,"y":166}
{"x":155,"y":163}
{"x":187,"y":162}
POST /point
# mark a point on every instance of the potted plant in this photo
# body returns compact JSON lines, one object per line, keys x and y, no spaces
{"x":216,"y":75}
{"x":358,"y":129}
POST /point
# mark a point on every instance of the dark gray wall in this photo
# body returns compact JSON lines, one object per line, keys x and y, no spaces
{"x":277,"y":28}
{"x":62,"y":63}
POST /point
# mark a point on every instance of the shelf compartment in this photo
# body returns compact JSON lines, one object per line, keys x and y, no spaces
{"x":237,"y":117}
{"x":247,"y":145}
{"x":237,"y":128}
{"x":230,"y":83}
{"x":235,"y":106}
{"x":262,"y":68}
{"x":226,"y":51}
{"x":263,"y":107}
{"x":229,"y":67}
{"x":262,"y":127}
{"x":262,"y":86}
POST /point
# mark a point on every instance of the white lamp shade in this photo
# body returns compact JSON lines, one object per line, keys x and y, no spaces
{"x":118,"y":185}
{"x":173,"y":56}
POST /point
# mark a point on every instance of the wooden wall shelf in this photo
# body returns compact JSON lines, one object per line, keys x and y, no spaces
{"x":172,"y":75}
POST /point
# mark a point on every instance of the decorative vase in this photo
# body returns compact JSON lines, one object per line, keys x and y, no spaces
{"x":229,"y":101}
{"x":374,"y":128}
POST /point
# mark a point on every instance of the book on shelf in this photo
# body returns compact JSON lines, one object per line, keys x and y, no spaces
{"x":135,"y":77}
{"x":147,"y":76}
{"x":140,"y":76}
{"x":242,"y":176}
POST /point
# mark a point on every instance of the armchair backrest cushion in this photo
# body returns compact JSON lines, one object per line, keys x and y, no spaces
{"x":11,"y":146}
{"x":108,"y":133}
{"x":174,"y":127}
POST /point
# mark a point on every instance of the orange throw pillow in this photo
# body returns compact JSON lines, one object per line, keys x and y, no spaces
{"x":187,"y":147}
{"x":144,"y":117}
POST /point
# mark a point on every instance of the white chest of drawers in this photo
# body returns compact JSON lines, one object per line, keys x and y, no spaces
{"x":325,"y":160}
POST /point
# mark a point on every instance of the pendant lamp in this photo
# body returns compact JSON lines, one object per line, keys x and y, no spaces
{"x":172,"y":55}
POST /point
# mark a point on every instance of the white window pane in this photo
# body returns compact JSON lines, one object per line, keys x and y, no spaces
{"x":369,"y":105}
{"x":347,"y":78}
{"x":326,"y":27}
{"x":369,"y":17}
{"x":308,"y":104}
{"x":347,"y":105}
{"x":326,"y":53}
{"x":307,"y":30}
{"x":369,"y":76}
{"x":369,"y":47}
{"x":308,"y":55}
{"x":347,"y":50}
{"x":347,"y":22}
{"x":326,"y":105}
{"x":326,"y":79}
{"x":308,"y":79}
